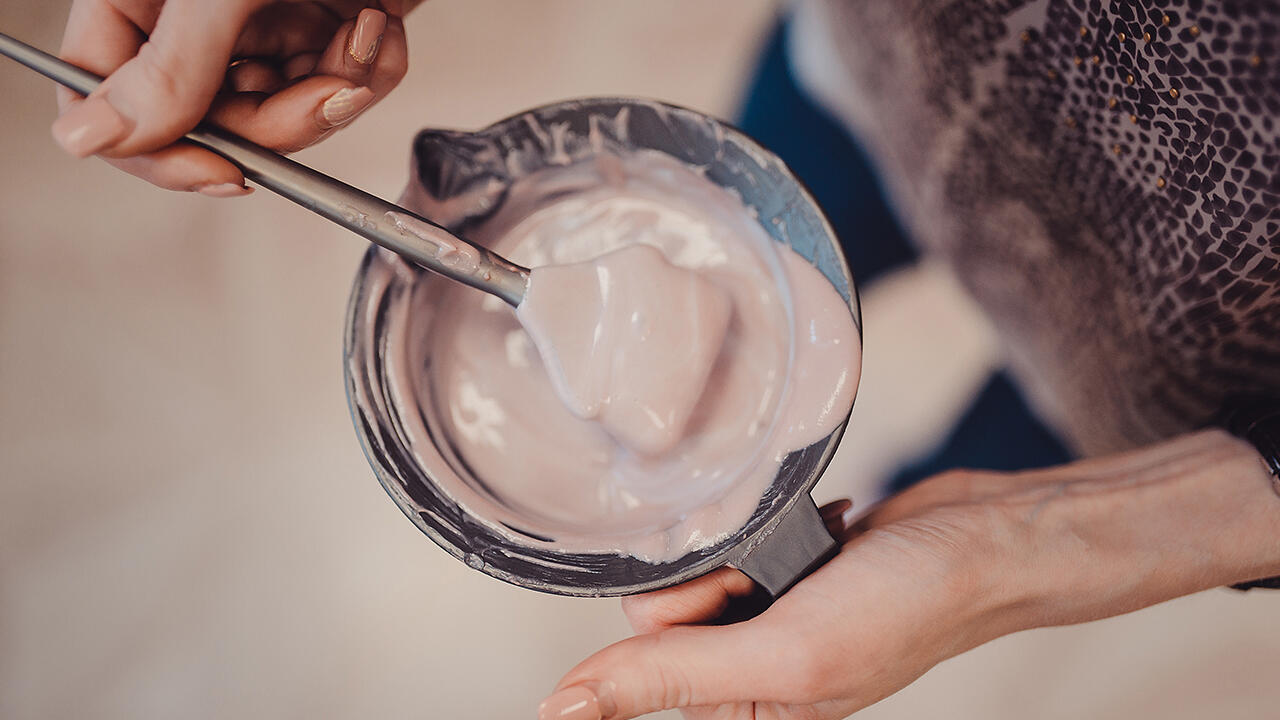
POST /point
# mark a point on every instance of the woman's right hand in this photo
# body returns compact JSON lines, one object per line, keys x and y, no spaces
{"x":954,"y":561}
{"x":284,"y":74}
{"x":901,"y":596}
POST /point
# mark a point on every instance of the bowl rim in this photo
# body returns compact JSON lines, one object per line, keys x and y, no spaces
{"x":728,"y":552}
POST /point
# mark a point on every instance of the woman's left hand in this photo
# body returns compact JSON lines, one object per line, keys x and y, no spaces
{"x":283,"y":73}
{"x":948,"y":565}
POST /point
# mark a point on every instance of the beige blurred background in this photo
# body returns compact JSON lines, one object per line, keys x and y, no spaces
{"x":188,"y":527}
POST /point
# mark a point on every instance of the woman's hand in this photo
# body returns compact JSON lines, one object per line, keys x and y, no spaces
{"x":950,"y":564}
{"x":899,"y":598}
{"x":284,"y":74}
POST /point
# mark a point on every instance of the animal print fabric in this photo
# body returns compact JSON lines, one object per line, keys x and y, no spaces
{"x":1105,"y":179}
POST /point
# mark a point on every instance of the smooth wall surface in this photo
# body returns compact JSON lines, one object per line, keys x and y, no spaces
{"x":188,"y":528}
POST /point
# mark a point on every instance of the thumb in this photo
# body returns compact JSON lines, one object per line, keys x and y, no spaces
{"x":679,"y":667}
{"x":167,"y":87}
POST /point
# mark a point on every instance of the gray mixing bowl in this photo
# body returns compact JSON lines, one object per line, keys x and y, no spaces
{"x":462,"y":177}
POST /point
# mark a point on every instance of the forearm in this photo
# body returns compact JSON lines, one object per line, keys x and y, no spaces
{"x":1129,"y":531}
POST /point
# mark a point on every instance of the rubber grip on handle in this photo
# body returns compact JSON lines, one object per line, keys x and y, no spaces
{"x":797,"y":545}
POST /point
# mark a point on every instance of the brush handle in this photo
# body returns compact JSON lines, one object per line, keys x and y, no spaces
{"x":428,"y":245}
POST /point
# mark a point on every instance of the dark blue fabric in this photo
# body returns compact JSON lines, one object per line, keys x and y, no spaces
{"x":998,"y":431}
{"x":778,"y":115}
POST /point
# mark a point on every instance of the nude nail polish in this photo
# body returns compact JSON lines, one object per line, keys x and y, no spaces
{"x":575,"y":703}
{"x":89,"y":127}
{"x":224,"y":190}
{"x":343,"y":106}
{"x":365,"y":37}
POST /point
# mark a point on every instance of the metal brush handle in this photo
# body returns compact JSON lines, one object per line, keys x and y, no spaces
{"x":350,"y":207}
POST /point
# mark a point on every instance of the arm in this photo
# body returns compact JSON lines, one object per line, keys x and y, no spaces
{"x":948,"y":565}
{"x":1138,"y":529}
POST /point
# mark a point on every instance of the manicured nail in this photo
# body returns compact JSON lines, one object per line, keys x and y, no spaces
{"x":365,"y":37}
{"x":89,"y":127}
{"x":575,"y":703}
{"x":224,"y":190}
{"x":343,"y":106}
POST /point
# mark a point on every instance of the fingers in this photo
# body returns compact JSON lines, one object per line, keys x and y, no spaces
{"x":365,"y":59}
{"x":362,"y":43}
{"x":254,"y":76}
{"x":296,"y":117}
{"x":164,"y":89}
{"x":837,"y":515}
{"x":286,"y":29}
{"x":697,"y":601}
{"x":103,"y":39}
{"x":166,"y":62}
{"x":675,"y":663}
{"x":98,"y":38}
{"x":370,"y":50}
{"x":299,"y":66}
{"x":679,"y":667}
{"x":186,"y":168}
{"x":392,"y":58}
{"x":705,"y":598}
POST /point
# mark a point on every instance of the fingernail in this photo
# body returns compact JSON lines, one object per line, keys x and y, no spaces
{"x":849,"y":515}
{"x":366,"y":35}
{"x":343,"y":106}
{"x":224,"y":190}
{"x":575,"y":703}
{"x":89,"y":127}
{"x":834,"y":509}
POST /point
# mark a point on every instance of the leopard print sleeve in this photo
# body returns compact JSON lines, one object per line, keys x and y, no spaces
{"x":1104,"y":177}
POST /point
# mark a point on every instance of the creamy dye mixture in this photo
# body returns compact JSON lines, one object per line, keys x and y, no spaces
{"x":628,"y":340}
{"x":642,"y":458}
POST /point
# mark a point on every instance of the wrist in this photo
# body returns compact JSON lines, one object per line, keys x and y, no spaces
{"x":1128,"y":531}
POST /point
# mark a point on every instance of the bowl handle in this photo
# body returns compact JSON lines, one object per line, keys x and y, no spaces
{"x":797,"y":545}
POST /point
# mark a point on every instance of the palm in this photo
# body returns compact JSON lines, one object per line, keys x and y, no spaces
{"x":858,"y":629}
{"x":876,"y":605}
